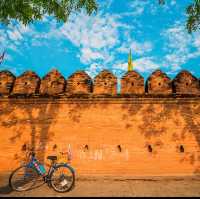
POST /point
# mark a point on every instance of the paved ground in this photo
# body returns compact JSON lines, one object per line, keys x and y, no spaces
{"x":188,"y":186}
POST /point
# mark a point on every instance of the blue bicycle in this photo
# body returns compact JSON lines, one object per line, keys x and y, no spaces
{"x":60,"y":176}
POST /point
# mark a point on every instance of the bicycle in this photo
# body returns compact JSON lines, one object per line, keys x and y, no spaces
{"x":25,"y":177}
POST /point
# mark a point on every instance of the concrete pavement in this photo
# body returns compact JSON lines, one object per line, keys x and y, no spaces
{"x":122,"y":187}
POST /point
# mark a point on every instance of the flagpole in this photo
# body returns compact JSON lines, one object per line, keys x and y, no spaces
{"x":130,"y":64}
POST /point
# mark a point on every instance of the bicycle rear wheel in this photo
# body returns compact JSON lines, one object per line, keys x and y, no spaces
{"x":62,"y":179}
{"x":23,"y":178}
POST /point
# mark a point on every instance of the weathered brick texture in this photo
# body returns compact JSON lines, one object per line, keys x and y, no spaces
{"x":186,"y":83}
{"x":159,"y":83}
{"x":26,"y":84}
{"x":132,"y":83}
{"x":6,"y":82}
{"x":79,"y":83}
{"x":105,"y":83}
{"x":53,"y":83}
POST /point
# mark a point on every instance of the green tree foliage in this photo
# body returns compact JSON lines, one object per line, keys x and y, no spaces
{"x":26,"y":11}
{"x":193,"y":12}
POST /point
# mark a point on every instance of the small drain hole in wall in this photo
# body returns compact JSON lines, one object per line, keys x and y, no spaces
{"x":24,"y":147}
{"x":119,"y":148}
{"x":86,"y":148}
{"x":150,"y":148}
{"x":182,"y":150}
{"x":54,"y":147}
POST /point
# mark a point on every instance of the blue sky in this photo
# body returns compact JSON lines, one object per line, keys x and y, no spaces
{"x":156,"y":34}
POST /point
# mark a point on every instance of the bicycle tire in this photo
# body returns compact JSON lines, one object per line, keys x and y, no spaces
{"x":67,"y":181}
{"x":27,"y":178}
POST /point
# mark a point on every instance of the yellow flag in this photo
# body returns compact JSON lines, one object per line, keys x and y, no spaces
{"x":130,"y":64}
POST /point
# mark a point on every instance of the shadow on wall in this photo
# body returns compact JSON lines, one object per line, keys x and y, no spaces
{"x":189,"y":115}
{"x":40,"y":125}
{"x":131,"y":110}
{"x":76,"y":111}
{"x":152,"y":118}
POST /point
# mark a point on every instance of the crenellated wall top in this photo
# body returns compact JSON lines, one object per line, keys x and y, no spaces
{"x":80,"y":83}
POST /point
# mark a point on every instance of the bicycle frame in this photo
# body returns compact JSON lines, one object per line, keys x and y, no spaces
{"x":48,"y":173}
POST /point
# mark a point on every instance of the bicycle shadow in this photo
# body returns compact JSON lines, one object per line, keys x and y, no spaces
{"x":5,"y":189}
{"x":8,"y":190}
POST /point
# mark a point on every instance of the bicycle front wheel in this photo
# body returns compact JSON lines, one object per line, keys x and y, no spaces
{"x":23,"y":178}
{"x":62,"y":178}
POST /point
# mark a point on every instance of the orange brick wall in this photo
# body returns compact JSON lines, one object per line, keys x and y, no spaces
{"x":107,"y":136}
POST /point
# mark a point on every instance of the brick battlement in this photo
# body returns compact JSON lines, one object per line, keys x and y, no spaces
{"x":105,"y":83}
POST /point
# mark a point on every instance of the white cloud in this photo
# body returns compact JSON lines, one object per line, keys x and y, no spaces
{"x":11,"y":38}
{"x":95,"y":36}
{"x":146,"y":64}
{"x":137,"y":7}
{"x":88,"y":55}
{"x":197,"y":41}
{"x":8,"y":57}
{"x":94,"y":69}
{"x":14,"y":35}
{"x":90,"y":32}
{"x":173,"y":2}
{"x":139,"y":48}
{"x":143,"y":65}
{"x":180,"y":47}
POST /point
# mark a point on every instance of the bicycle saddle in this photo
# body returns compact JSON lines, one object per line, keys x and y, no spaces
{"x":53,"y":158}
